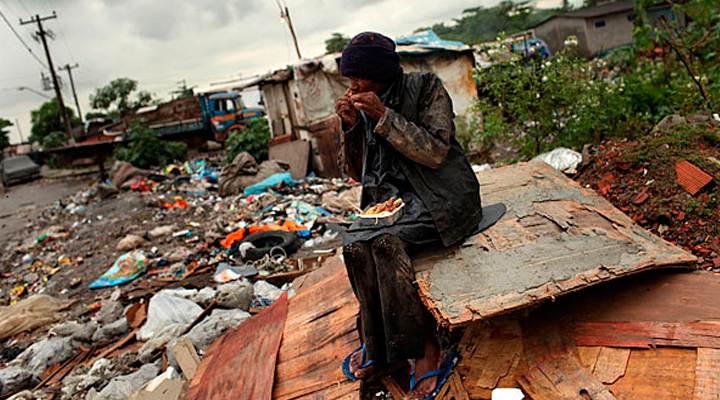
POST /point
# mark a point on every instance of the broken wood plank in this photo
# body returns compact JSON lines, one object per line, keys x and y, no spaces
{"x":707,"y":375}
{"x":562,"y":377}
{"x":611,"y":364}
{"x":453,"y":389}
{"x":120,"y":343}
{"x":491,"y":354}
{"x":577,"y":239}
{"x":319,"y":333}
{"x":393,"y":387}
{"x":186,"y":357}
{"x":589,"y":355}
{"x":648,"y":334}
{"x":662,"y":373}
{"x":242,"y":363}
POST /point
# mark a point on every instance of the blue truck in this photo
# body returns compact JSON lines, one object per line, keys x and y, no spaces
{"x":216,"y":114}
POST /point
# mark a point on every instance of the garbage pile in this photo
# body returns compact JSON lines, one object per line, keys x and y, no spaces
{"x":119,"y":288}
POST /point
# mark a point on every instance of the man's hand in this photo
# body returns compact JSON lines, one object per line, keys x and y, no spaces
{"x":345,"y":110}
{"x":369,"y":103}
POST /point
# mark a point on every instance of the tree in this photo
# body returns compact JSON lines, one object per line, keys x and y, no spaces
{"x":48,"y":119}
{"x":115,"y":98}
{"x":4,"y":139}
{"x":336,"y":43}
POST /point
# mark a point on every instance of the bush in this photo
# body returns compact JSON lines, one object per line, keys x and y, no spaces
{"x":252,"y":138}
{"x":54,"y":139}
{"x":146,"y":150}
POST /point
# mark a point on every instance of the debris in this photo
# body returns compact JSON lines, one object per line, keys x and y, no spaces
{"x":126,"y":268}
{"x":44,"y":353}
{"x":30,"y":313}
{"x":641,"y":197}
{"x":227,"y":273}
{"x":13,"y":379}
{"x":111,"y":331}
{"x":124,"y":171}
{"x":162,"y":231}
{"x":562,"y":159}
{"x":668,"y":122}
{"x":272,"y":181}
{"x":121,"y":388}
{"x":130,"y":242}
{"x":237,"y":294}
{"x":165,"y":310}
{"x":166,"y":386}
{"x":285,"y":225}
{"x":691,"y":178}
{"x":244,"y":172}
{"x":264,"y":294}
{"x":186,"y":357}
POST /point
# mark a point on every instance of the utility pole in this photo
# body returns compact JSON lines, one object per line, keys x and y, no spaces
{"x":69,"y":69}
{"x":42,"y":33}
{"x":285,"y":17}
{"x":19,"y":130}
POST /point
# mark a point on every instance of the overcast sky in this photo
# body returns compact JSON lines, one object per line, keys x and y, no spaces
{"x":160,"y":42}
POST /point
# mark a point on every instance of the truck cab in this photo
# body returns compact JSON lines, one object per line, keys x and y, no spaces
{"x":227,"y":113}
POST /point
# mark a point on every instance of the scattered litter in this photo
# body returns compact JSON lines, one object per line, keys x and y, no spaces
{"x":562,"y":159}
{"x":226,"y":273}
{"x":126,"y":268}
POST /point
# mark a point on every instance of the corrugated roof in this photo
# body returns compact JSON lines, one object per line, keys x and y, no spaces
{"x":599,"y":10}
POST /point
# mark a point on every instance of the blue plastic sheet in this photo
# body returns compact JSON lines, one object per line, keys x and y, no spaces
{"x":269,"y":182}
{"x":126,"y":268}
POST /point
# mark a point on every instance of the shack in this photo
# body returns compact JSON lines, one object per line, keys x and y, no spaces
{"x":300,"y":100}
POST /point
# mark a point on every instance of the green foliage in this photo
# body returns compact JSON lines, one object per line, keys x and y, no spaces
{"x":253,"y":138}
{"x":4,"y":138}
{"x":115,"y":97}
{"x":146,"y":150}
{"x":479,"y":24}
{"x":48,"y":119}
{"x":336,"y":43}
{"x":54,"y":139}
{"x":691,"y":37}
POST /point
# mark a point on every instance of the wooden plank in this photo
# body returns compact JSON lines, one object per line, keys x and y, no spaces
{"x":611,"y":364}
{"x":393,"y":387}
{"x":707,"y":375}
{"x":319,"y":333}
{"x":491,"y":354}
{"x":658,"y":374}
{"x":649,"y":334}
{"x":453,"y":389}
{"x":581,"y":240}
{"x":665,"y":295}
{"x":242,"y":364}
{"x":186,"y":356}
{"x":589,"y":355}
{"x":562,"y":378}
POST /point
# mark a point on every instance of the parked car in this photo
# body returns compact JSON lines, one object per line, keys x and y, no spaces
{"x":17,"y":169}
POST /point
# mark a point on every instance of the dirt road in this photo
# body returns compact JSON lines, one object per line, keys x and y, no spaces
{"x":21,"y":203}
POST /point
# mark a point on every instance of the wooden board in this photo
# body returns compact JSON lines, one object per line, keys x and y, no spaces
{"x":319,"y":333}
{"x":658,"y":374}
{"x":242,"y":362}
{"x":562,"y":378}
{"x":295,"y":153}
{"x":557,"y":237}
{"x":649,"y":334}
{"x":611,"y":364}
{"x":707,"y":375}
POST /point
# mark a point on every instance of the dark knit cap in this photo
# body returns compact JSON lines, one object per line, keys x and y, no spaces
{"x":370,"y":55}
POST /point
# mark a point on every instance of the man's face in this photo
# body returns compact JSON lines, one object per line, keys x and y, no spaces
{"x":362,"y":85}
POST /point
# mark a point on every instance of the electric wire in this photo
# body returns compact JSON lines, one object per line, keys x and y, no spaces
{"x":22,"y":41}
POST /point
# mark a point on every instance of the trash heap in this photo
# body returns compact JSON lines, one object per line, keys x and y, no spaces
{"x":125,"y":284}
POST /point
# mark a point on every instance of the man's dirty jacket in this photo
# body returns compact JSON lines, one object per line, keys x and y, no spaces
{"x":418,"y":124}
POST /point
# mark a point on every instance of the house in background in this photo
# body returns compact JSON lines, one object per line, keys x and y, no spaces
{"x":599,"y":28}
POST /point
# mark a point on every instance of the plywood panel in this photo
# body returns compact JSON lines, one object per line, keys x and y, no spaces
{"x":707,"y":375}
{"x":658,"y":374}
{"x":649,"y":334}
{"x":242,"y":364}
{"x":319,"y":333}
{"x":611,"y":364}
{"x":557,"y":237}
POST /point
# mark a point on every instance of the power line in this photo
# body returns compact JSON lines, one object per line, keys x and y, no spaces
{"x":22,"y":41}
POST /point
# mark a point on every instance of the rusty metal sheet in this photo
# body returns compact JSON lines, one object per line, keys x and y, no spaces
{"x":557,"y":237}
{"x":242,"y":366}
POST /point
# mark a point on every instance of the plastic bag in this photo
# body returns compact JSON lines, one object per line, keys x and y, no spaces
{"x":562,"y":159}
{"x":126,"y":268}
{"x":269,"y":182}
{"x":166,"y":309}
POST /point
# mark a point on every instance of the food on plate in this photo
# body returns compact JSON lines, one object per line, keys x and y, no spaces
{"x":386,"y":207}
